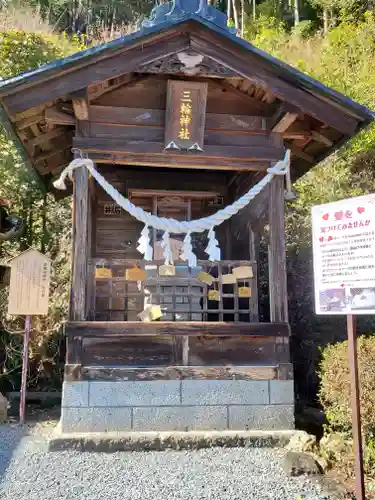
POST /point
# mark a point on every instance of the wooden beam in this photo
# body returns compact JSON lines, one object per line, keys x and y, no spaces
{"x":149,"y":193}
{"x":47,"y":156}
{"x":254,"y":255}
{"x":297,"y":135}
{"x":80,"y":245}
{"x":56,"y":169}
{"x":98,"y":89}
{"x":283,"y":109}
{"x":276,"y":253}
{"x":167,"y":161}
{"x":67,"y":82}
{"x":255,"y":154}
{"x":265,"y":109}
{"x":57,"y":117}
{"x":156,"y":118}
{"x":80,"y":104}
{"x":74,"y":351}
{"x":321,"y":138}
{"x":191,"y":328}
{"x":282,"y":371}
{"x":42,"y":138}
{"x":65,"y":144}
{"x":37,"y":133}
{"x":285,"y":122}
{"x":252,"y":67}
{"x":27,"y":122}
{"x":301,"y":154}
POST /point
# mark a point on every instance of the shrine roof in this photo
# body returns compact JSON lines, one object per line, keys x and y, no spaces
{"x":181,"y":25}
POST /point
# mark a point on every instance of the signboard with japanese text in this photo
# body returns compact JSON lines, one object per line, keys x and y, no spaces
{"x":30,"y":274}
{"x":185,"y":115}
{"x":112,"y":209}
{"x":344,"y":256}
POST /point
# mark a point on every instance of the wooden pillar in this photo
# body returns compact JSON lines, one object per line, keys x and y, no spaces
{"x":254,"y":256}
{"x":276,"y":253}
{"x":79,"y":300}
{"x":80,"y":252}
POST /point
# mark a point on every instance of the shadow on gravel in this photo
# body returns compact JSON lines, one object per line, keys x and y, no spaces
{"x":11,"y":433}
{"x":10,"y":437}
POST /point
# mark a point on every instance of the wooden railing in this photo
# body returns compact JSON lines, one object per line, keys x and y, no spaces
{"x":163,"y":344}
{"x":111,"y":297}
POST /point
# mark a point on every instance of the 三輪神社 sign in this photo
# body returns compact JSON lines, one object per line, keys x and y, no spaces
{"x":344,"y":256}
{"x":185,"y":115}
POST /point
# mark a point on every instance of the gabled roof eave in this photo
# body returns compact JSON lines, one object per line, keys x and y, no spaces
{"x":284,"y":71}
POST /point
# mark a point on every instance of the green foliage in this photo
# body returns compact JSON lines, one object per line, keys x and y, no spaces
{"x":335,"y":384}
{"x":345,"y":61}
{"x":304,"y":29}
{"x":21,"y":51}
{"x":48,"y":224}
{"x":335,"y":391}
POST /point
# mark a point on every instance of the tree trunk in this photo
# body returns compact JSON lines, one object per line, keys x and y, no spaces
{"x":325,"y":21}
{"x":254,"y":10}
{"x":296,"y":12}
{"x":235,"y":15}
{"x":229,"y":9}
{"x":113,"y":22}
{"x":242,"y":17}
{"x":44,"y":225}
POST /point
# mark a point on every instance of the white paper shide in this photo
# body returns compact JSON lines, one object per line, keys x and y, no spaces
{"x":344,"y":256}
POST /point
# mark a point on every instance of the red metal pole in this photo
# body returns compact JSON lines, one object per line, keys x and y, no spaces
{"x":25,"y":363}
{"x":356,"y":409}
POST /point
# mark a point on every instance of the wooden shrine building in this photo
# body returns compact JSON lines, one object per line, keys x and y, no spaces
{"x":207,"y":362}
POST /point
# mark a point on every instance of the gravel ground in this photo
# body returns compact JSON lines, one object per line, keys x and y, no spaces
{"x":29,"y":472}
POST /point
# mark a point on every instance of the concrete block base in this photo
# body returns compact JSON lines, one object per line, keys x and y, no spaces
{"x":177,"y":405}
{"x":159,"y":441}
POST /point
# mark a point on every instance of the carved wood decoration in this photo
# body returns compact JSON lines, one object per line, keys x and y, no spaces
{"x":188,"y":63}
{"x":185,"y":115}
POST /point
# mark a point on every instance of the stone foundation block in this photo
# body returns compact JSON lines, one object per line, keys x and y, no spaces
{"x":281,"y":392}
{"x":144,"y":393}
{"x":261,"y":417}
{"x":96,"y":419}
{"x":224,"y":392}
{"x":182,"y":418}
{"x":75,"y":394}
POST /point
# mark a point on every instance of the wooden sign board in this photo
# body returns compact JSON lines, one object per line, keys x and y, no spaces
{"x":185,"y":115}
{"x":343,"y":256}
{"x":30,"y":276}
{"x":112,"y":209}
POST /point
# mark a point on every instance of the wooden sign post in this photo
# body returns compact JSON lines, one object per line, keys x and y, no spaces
{"x":30,"y":274}
{"x":344,"y":280}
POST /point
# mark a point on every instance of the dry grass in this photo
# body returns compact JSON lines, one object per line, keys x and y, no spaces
{"x":23,"y":19}
{"x":103,"y":35}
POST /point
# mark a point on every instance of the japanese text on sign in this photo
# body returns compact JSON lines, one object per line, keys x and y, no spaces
{"x":344,"y":256}
{"x":185,"y":115}
{"x":112,"y":209}
{"x":29,"y":284}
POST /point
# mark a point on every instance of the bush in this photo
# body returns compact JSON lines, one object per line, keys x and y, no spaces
{"x":48,"y":224}
{"x":21,"y":51}
{"x":335,"y":385}
{"x":335,"y":398}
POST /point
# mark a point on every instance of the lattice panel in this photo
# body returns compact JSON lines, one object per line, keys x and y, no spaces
{"x":183,"y":297}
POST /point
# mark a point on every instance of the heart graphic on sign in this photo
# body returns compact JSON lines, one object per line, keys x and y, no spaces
{"x":360,"y":210}
{"x":321,"y":239}
{"x":325,"y":216}
{"x":342,"y":285}
{"x":330,"y":238}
